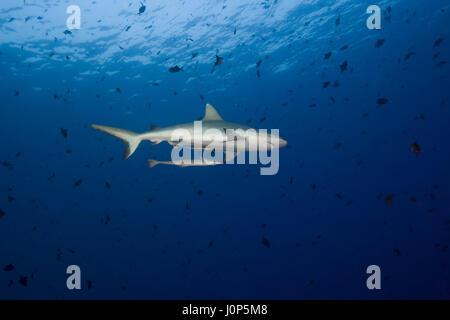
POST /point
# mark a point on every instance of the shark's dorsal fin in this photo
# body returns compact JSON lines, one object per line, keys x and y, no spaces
{"x":153,"y":127}
{"x":211,"y":114}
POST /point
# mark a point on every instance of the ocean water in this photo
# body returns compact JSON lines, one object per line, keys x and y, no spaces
{"x":364,"y":179}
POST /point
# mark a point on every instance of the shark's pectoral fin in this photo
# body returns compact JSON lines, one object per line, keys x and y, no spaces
{"x":155,"y":142}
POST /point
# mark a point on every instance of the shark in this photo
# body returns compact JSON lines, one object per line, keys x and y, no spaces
{"x":185,"y":134}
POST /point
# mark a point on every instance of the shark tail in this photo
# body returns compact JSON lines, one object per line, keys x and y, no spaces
{"x":152,"y":163}
{"x":131,"y":139}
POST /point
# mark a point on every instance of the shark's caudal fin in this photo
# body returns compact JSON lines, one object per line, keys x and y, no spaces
{"x":152,"y":163}
{"x":130,"y":138}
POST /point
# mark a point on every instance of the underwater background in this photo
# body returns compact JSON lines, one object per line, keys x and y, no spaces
{"x":363,"y":181}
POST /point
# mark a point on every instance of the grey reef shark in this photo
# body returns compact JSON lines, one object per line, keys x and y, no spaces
{"x":214,"y":133}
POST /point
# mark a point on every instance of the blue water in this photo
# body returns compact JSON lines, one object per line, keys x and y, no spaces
{"x":349,"y":192}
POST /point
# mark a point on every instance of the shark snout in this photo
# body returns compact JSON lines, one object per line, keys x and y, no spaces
{"x":282,"y":142}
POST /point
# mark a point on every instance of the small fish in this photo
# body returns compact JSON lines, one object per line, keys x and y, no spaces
{"x":397,"y":252}
{"x":175,"y":69}
{"x":66,"y":32}
{"x":107,"y":219}
{"x":77,"y":183}
{"x":415,"y":148}
{"x":327,"y":55}
{"x":8,"y":268}
{"x":338,"y":20}
{"x":23,"y":281}
{"x":266,"y":242}
{"x":438,"y":42}
{"x":2,"y":213}
{"x":343,"y":66}
{"x":63,"y":132}
{"x":118,"y":90}
{"x":141,"y":9}
{"x":219,"y":60}
{"x":338,"y":145}
{"x":388,"y":200}
{"x":382,"y":101}
{"x":379,"y":43}
{"x":409,"y":55}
